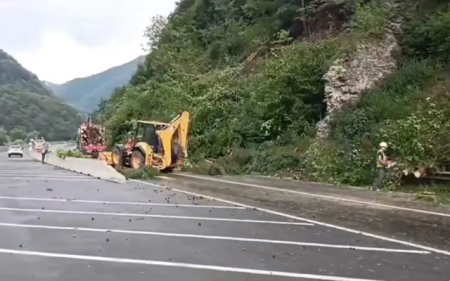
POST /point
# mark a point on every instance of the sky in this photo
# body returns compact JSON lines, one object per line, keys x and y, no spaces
{"x":60,"y":40}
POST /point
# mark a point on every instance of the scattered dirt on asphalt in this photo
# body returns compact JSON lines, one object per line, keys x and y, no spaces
{"x":430,"y":230}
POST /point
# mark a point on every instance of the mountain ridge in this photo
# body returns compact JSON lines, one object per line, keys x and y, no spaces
{"x":13,"y":74}
{"x":85,"y":93}
{"x":28,"y":107}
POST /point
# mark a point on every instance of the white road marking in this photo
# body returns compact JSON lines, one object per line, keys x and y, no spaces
{"x":182,"y":265}
{"x":212,"y":237}
{"x":368,"y":234}
{"x":164,"y":178}
{"x":120,"y":203}
{"x":152,"y":216}
{"x":48,"y":179}
{"x":31,"y":170}
{"x":39,"y":176}
{"x":329,"y":197}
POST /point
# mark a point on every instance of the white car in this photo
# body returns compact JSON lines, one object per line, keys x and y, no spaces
{"x":15,"y":150}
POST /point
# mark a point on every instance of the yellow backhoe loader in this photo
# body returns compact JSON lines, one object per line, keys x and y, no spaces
{"x":162,"y":146}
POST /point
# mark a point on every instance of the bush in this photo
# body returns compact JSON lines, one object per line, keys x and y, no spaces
{"x":352,"y":125}
{"x":370,"y":19}
{"x":206,"y":167}
{"x":322,"y":162}
{"x":237,"y":162}
{"x":283,"y":160}
{"x":63,"y":154}
{"x":357,"y":165}
{"x":429,"y":38}
{"x":417,"y":137}
{"x":291,"y":88}
{"x":142,"y":173}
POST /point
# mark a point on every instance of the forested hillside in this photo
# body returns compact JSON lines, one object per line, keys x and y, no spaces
{"x":258,"y":76}
{"x":29,"y":109}
{"x":87,"y":92}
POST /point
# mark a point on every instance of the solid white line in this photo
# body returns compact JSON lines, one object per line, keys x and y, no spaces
{"x":164,"y":178}
{"x":329,"y":197}
{"x":182,"y":265}
{"x":30,"y":170}
{"x":410,"y":244}
{"x":152,"y":216}
{"x":48,"y":179}
{"x":120,"y":203}
{"x":212,"y":237}
{"x":36,"y":176}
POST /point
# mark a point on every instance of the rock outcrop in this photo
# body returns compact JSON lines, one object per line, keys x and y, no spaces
{"x":348,"y":78}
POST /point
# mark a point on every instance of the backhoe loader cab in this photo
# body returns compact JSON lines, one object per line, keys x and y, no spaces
{"x":155,"y":144}
{"x":146,"y":131}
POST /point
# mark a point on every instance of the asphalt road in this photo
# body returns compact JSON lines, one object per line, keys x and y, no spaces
{"x":56,"y":225}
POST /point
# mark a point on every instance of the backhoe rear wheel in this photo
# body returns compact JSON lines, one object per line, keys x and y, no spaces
{"x":137,"y":160}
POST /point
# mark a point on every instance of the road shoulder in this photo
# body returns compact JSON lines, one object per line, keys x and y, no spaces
{"x":424,"y":225}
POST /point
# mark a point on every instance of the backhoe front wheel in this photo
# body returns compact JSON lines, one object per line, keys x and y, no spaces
{"x":137,"y":160}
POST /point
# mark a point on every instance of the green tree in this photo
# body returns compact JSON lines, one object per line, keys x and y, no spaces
{"x":17,"y":134}
{"x":3,"y":136}
{"x":429,"y":38}
{"x":32,"y":135}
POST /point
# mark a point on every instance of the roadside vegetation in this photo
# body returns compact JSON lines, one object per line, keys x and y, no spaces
{"x":251,"y":73}
{"x":143,"y":173}
{"x":63,"y":154}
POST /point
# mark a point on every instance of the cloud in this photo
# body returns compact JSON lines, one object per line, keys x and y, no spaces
{"x":62,"y":40}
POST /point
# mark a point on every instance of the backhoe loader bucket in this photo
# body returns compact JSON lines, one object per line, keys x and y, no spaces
{"x":107,"y":157}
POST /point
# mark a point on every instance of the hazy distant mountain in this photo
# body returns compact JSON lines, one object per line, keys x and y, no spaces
{"x":14,"y":76}
{"x":86,"y":93}
{"x":27,"y":105}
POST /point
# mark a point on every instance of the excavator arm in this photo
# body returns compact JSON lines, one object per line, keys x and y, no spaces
{"x":176,"y":132}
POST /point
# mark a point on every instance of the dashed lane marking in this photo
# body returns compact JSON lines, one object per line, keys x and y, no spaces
{"x":182,"y":265}
{"x":120,"y":203}
{"x":152,"y":216}
{"x":212,"y":237}
{"x":368,"y":234}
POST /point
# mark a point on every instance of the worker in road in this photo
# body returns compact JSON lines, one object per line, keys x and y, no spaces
{"x":382,"y":166}
{"x":44,"y":151}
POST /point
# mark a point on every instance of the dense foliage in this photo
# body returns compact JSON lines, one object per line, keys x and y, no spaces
{"x":250,"y":72}
{"x":225,"y":62}
{"x":28,"y":109}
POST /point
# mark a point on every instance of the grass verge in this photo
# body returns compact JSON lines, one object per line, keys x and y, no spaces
{"x":144,"y":173}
